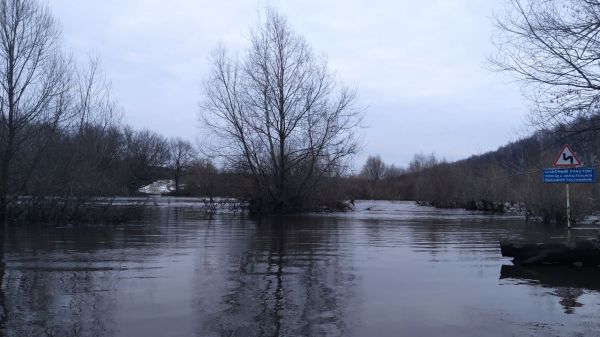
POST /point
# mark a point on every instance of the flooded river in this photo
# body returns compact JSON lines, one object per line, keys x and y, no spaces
{"x":387,"y":269}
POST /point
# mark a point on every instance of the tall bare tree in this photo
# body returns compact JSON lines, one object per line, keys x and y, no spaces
{"x":182,"y":154}
{"x":374,"y":168}
{"x":93,"y":102}
{"x":278,"y":114}
{"x":422,"y":161}
{"x":91,"y":136}
{"x":34,"y":89}
{"x":553,"y":46}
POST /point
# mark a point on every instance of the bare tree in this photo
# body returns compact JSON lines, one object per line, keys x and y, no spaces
{"x":422,"y":161}
{"x":374,"y":168}
{"x":93,"y":103}
{"x":278,"y":114}
{"x":34,"y":93}
{"x":553,"y":46}
{"x":182,"y":155}
{"x":92,"y":135}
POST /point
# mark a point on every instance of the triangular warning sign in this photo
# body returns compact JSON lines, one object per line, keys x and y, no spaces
{"x":566,"y":158}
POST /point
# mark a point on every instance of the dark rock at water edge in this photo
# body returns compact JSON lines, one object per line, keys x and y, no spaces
{"x":577,"y":253}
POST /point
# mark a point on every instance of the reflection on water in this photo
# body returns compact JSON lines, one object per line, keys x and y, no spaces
{"x":568,"y":283}
{"x":288,"y":280}
{"x":389,"y":269}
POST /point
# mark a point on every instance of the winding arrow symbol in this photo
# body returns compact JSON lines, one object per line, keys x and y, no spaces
{"x":569,"y":158}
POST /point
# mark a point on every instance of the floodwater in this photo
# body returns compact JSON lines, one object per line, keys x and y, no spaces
{"x":387,"y":269}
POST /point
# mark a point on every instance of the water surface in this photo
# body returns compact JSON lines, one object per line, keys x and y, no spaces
{"x":387,"y":269}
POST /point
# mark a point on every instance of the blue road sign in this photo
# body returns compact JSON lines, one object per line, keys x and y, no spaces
{"x":579,"y":175}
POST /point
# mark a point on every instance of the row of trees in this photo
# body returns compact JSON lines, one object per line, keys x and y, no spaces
{"x":513,"y":174}
{"x":75,"y":166}
{"x":378,"y":180}
{"x":508,"y":177}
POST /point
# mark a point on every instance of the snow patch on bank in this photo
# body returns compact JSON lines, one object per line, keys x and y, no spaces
{"x":159,"y":187}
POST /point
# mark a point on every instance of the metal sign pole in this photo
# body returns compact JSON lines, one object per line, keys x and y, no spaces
{"x":568,"y":209}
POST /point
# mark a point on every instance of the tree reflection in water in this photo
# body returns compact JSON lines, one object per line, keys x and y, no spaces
{"x":66,"y":299}
{"x":3,"y":308}
{"x":293,"y":278}
{"x":569,"y":283}
{"x":61,"y":281}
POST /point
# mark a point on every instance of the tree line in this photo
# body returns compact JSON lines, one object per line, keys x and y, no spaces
{"x":280,"y":124}
{"x":509,"y":177}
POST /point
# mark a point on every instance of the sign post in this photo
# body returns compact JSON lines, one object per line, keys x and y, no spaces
{"x":567,"y":171}
{"x":568,"y":209}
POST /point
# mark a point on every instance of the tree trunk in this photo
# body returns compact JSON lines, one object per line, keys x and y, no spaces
{"x":177,"y":173}
{"x":10,"y":143}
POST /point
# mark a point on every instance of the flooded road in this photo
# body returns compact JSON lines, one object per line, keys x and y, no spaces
{"x":387,"y":269}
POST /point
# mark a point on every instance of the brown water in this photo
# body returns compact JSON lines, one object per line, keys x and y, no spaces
{"x":388,"y":269}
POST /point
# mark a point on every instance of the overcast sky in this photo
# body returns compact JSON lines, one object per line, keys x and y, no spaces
{"x":419,"y":66}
